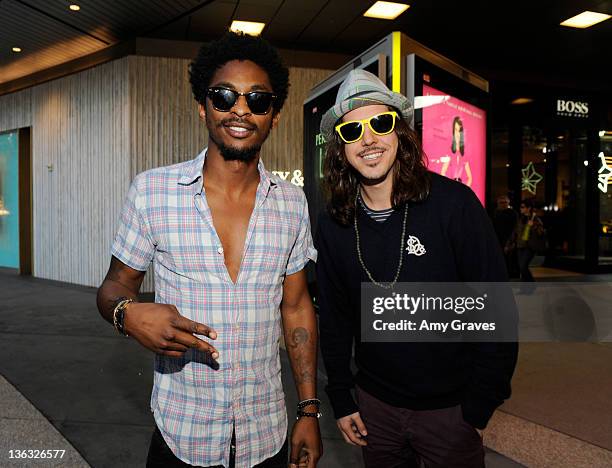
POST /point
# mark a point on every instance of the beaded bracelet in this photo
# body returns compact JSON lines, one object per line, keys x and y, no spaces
{"x":300,"y":413}
{"x":311,"y":401}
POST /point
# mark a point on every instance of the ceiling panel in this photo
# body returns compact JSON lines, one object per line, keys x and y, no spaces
{"x":115,"y":20}
{"x":210,"y":21}
{"x":292,"y":18}
{"x":522,"y":36}
{"x":362,"y":31}
{"x":44,"y":41}
{"x":261,"y":12}
{"x":332,"y":20}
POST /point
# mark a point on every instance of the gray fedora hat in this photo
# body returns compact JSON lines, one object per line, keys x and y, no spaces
{"x":361,"y":88}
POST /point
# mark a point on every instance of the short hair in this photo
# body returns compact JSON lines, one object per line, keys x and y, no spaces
{"x":238,"y":46}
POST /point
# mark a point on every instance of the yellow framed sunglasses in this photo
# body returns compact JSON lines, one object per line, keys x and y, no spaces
{"x":380,"y":124}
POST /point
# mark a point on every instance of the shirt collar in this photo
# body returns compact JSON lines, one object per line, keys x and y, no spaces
{"x":192,"y":172}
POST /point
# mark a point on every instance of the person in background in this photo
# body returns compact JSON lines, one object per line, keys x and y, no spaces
{"x":529,"y":237}
{"x":504,"y":223}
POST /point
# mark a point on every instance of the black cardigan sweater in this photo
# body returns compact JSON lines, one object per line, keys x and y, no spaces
{"x":461,"y":246}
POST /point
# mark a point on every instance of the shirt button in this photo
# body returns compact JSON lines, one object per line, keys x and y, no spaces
{"x":220,"y":250}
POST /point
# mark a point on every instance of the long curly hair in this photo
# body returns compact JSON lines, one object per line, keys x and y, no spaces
{"x":238,"y":46}
{"x":411,"y":181}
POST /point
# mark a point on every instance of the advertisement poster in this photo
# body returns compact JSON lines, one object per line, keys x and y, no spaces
{"x":454,"y":140}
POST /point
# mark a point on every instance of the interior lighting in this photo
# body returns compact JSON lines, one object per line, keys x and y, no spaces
{"x":74,"y":7}
{"x":586,"y":163}
{"x":386,"y":10}
{"x":248,"y":27}
{"x":521,"y":100}
{"x":16,"y":49}
{"x":586,"y":19}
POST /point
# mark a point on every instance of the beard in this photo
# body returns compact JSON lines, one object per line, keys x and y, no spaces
{"x":231,"y":153}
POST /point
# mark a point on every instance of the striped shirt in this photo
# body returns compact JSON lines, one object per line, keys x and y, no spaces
{"x":196,"y":401}
{"x":377,"y":215}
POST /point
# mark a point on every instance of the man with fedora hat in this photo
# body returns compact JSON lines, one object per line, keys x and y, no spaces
{"x":390,"y":220}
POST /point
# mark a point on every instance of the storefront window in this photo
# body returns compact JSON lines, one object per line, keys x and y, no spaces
{"x":604,"y":185}
{"x":553,"y":176}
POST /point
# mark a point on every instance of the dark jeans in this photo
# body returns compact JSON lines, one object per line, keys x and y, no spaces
{"x":404,"y":438}
{"x":160,"y":455}
{"x":525,"y":255}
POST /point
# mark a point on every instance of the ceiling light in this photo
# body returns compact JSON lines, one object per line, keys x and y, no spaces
{"x":522,"y":100}
{"x":74,"y":7}
{"x":585,"y":19}
{"x":16,"y":49}
{"x":247,"y":27}
{"x":386,"y":10}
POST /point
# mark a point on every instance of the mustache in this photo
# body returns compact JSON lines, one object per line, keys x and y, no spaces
{"x":372,"y":149}
{"x":244,"y":122}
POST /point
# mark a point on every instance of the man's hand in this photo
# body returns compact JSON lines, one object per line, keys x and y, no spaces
{"x":353,"y":429}
{"x":306,"y":448}
{"x":160,"y":328}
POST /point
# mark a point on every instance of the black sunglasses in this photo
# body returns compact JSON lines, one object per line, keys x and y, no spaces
{"x":223,"y":99}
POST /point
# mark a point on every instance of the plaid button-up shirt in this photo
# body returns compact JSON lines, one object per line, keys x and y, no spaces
{"x":196,"y":401}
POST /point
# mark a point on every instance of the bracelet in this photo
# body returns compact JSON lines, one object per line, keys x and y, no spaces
{"x":301,"y":413}
{"x":311,"y":401}
{"x":118,"y":315}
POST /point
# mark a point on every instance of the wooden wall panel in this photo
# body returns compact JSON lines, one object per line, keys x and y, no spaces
{"x":80,"y":171}
{"x":15,"y":110}
{"x":284,"y":149}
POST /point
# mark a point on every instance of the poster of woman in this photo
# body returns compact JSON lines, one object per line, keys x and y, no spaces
{"x":454,"y":140}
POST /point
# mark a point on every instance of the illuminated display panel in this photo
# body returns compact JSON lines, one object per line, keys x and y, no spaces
{"x":454,"y":139}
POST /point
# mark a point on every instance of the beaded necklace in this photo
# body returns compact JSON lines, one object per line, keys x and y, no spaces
{"x":399,"y":266}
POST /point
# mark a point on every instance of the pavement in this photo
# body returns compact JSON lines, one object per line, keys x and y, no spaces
{"x":78,"y":393}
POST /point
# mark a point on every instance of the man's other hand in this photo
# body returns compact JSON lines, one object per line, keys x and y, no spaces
{"x":353,"y":429}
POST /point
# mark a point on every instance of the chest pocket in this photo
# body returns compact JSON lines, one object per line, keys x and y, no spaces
{"x":270,"y":246}
{"x":186,"y":247}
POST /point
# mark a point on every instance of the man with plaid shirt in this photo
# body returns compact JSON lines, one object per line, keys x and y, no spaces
{"x":229,"y":243}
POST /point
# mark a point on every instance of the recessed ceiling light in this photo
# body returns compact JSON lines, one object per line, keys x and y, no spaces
{"x":522,"y":100}
{"x":585,"y":19}
{"x":247,"y":27}
{"x":16,"y":49}
{"x":386,"y":10}
{"x":74,"y":7}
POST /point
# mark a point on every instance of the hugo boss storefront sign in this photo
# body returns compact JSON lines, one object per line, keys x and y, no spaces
{"x":572,"y":108}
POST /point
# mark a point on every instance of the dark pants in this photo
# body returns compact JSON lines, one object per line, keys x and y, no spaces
{"x":160,"y":455}
{"x":404,"y":438}
{"x":525,"y":255}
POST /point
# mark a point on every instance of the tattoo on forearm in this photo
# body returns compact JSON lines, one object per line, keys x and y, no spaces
{"x":299,"y":337}
{"x":299,"y":344}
